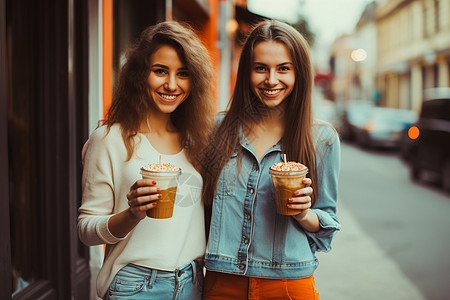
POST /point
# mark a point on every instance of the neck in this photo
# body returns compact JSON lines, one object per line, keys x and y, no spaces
{"x":158,"y":123}
{"x":273,"y":116}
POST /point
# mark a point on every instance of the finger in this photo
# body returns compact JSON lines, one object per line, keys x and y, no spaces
{"x":304,"y":191}
{"x":139,"y":201}
{"x":300,"y":200}
{"x":300,"y":203}
{"x":142,"y":191}
{"x":149,"y":206}
{"x":143,"y":182}
{"x":299,"y":206}
{"x":140,"y":210}
{"x":307,"y":182}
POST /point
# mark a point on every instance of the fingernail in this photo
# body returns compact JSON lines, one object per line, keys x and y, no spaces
{"x":290,"y":200}
{"x":295,"y":193}
{"x":159,"y":196}
{"x":154,"y":182}
{"x":158,"y":189}
{"x":154,"y":203}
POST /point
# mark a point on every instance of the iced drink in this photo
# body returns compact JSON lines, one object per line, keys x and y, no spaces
{"x":287,"y":178}
{"x":166,"y":177}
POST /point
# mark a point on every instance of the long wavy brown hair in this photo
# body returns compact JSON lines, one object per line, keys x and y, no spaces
{"x":246,"y":109}
{"x":131,"y":98}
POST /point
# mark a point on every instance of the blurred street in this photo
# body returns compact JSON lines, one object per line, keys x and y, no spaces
{"x":394,"y":241}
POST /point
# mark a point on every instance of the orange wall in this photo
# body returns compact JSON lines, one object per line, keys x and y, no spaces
{"x":210,"y":36}
{"x":107,"y":54}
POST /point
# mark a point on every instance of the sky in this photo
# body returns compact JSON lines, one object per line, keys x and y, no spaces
{"x":327,"y":18}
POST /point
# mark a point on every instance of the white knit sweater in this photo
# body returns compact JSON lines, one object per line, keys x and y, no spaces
{"x":163,"y":244}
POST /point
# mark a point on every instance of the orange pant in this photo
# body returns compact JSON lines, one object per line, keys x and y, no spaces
{"x":222,"y":286}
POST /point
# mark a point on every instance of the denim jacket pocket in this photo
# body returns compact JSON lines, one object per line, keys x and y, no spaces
{"x":228,"y":177}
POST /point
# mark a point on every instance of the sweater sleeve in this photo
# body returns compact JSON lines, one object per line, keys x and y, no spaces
{"x":328,"y":166}
{"x":97,"y":191}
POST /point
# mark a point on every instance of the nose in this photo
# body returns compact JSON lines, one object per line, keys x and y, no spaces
{"x":171,"y":83}
{"x":272,"y":79}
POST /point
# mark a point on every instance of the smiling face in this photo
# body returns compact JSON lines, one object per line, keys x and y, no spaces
{"x":272,"y":75}
{"x":169,"y":79}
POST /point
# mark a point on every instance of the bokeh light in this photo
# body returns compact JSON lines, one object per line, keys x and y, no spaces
{"x":413,"y":132}
{"x":359,"y":55}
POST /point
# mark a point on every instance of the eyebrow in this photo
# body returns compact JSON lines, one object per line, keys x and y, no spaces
{"x":165,"y":67}
{"x":282,"y":64}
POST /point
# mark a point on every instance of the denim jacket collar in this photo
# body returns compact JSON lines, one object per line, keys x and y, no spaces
{"x":245,"y":143}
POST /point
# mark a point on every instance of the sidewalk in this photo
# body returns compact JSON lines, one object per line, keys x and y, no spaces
{"x":357,"y":268}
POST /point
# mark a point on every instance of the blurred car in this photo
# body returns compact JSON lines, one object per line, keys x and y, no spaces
{"x":430,"y":151}
{"x":383,"y":127}
{"x":353,"y":117}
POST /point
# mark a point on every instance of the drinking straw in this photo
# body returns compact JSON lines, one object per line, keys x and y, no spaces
{"x":160,"y":159}
{"x":284,"y":157}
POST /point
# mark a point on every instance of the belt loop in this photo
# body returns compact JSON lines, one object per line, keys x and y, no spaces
{"x":152,"y":278}
{"x":194,"y":272}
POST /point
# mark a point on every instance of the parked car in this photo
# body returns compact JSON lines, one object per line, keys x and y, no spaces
{"x":430,"y":151}
{"x":383,"y":127}
{"x":353,"y":116}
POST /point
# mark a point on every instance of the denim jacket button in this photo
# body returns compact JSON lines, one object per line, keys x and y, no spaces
{"x":252,"y":191}
{"x":241,"y":266}
{"x":246,"y":241}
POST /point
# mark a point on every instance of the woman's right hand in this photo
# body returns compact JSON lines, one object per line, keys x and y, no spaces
{"x":142,"y":197}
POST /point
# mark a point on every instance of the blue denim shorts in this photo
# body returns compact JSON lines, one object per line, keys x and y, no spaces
{"x":137,"y":282}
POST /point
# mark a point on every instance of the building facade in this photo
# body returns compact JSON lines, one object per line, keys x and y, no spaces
{"x":413,"y":50}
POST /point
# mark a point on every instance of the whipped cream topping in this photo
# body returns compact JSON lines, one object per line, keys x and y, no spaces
{"x":289,"y":166}
{"x":167,"y":167}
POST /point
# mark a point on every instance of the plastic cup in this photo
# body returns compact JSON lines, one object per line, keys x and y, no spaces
{"x":167,"y":181}
{"x":285,"y":183}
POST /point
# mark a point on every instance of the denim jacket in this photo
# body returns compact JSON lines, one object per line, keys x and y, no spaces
{"x":248,"y":237}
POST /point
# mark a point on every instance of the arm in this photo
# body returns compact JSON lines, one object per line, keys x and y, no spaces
{"x":320,"y":222}
{"x":141,"y":198}
{"x":97,"y":222}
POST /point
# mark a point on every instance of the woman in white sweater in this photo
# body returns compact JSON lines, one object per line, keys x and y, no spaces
{"x":161,"y":110}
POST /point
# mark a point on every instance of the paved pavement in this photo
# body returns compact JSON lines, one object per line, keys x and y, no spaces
{"x":358,"y":269}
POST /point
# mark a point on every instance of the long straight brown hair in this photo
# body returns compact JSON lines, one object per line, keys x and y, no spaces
{"x":131,"y":99}
{"x":246,"y":109}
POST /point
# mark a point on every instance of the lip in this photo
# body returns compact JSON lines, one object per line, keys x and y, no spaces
{"x":168,"y":98}
{"x":271,"y":93}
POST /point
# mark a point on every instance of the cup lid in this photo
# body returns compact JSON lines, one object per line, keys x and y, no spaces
{"x":160,"y":172}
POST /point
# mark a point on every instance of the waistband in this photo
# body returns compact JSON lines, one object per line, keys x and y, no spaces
{"x":179,"y":273}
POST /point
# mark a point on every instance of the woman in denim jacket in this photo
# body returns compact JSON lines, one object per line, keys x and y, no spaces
{"x":253,"y":252}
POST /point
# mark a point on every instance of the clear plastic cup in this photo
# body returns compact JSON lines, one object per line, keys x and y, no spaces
{"x":285,"y":183}
{"x":167,"y":181}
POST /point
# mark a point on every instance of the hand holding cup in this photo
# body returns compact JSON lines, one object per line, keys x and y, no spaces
{"x":302,"y":198}
{"x":142,"y":197}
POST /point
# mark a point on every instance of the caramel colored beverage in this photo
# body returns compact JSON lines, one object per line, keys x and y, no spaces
{"x":166,"y":177}
{"x":286,"y":179}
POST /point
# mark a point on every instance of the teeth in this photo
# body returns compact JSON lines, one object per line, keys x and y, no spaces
{"x":271,"y":92}
{"x":168,"y":97}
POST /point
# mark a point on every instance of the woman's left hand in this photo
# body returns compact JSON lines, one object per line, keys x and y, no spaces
{"x":302,"y":198}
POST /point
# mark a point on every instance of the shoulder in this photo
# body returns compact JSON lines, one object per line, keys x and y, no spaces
{"x":324,"y":132}
{"x":219,"y":118}
{"x":104,"y":138}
